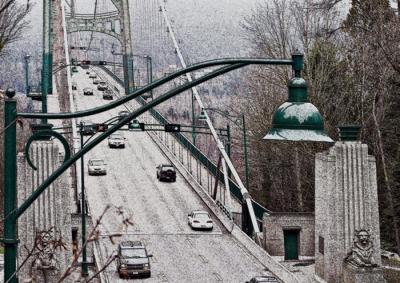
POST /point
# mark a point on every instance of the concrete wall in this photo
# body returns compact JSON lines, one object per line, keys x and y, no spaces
{"x":50,"y":210}
{"x":275,"y":223}
{"x":345,"y":200}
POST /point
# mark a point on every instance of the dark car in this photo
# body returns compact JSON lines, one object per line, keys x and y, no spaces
{"x":262,"y":279}
{"x":123,"y":114}
{"x":102,"y":86}
{"x":87,"y":91}
{"x":108,"y":95}
{"x":133,"y":260}
{"x":166,"y":172}
{"x":88,"y":128}
{"x":74,"y":86}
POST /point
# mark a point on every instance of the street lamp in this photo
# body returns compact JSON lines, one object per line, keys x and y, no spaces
{"x":297,"y":119}
{"x":85,"y":271}
{"x":26,"y":57}
{"x":149,"y":69}
{"x":226,"y":114}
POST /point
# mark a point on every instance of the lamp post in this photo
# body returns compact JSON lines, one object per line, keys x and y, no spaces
{"x":85,"y":271}
{"x":26,"y":57}
{"x":309,"y":123}
{"x":149,"y":69}
{"x":149,"y":66}
{"x":226,"y":114}
{"x":193,"y":120}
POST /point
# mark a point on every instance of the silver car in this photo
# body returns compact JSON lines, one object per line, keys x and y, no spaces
{"x":97,"y":167}
{"x":116,"y":140}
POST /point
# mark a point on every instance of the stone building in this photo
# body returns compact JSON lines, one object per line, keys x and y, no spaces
{"x":289,"y":234}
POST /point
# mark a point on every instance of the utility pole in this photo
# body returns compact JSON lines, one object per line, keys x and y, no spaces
{"x":149,"y":73}
{"x":27,"y":56}
{"x":193,"y":120}
{"x":246,"y":162}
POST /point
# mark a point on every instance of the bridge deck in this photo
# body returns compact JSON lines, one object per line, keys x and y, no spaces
{"x":159,"y":211}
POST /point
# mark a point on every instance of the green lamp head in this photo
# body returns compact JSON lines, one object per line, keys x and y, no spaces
{"x":202,"y":116}
{"x":297,"y":119}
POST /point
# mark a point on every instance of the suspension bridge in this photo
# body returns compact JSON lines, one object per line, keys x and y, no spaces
{"x":129,"y":45}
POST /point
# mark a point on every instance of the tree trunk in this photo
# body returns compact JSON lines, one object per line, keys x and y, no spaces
{"x":298,"y":180}
{"x":388,"y":192}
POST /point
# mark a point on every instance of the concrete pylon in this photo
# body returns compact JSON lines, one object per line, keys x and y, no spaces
{"x":346,"y":201}
{"x":127,"y":48}
{"x":49,"y":215}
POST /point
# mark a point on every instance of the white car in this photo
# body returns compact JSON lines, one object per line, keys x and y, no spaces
{"x":200,"y":219}
{"x":116,"y":140}
{"x":97,"y":167}
{"x":92,"y":75}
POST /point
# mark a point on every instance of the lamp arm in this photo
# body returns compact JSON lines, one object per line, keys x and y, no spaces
{"x":35,"y":194}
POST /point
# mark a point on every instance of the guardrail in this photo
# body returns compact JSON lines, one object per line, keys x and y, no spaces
{"x":259,"y":210}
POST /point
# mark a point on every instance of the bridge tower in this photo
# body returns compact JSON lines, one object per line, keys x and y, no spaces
{"x":106,"y":23}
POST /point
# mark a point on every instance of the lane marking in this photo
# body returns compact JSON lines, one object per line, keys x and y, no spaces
{"x":162,"y":277}
{"x":203,"y":258}
{"x":133,"y":233}
{"x":218,"y":277}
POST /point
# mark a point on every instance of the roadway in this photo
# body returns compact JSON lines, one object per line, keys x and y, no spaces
{"x":158,"y":211}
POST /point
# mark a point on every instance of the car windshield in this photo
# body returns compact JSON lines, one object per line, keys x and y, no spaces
{"x":87,"y":89}
{"x":123,"y":113}
{"x":166,"y":167}
{"x":261,"y":279}
{"x":97,"y":162}
{"x":201,"y":216}
{"x":116,"y":137}
{"x":133,"y":253}
{"x":102,"y":83}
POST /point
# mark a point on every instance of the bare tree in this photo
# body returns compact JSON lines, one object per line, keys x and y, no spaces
{"x":12,"y":21}
{"x":275,"y":29}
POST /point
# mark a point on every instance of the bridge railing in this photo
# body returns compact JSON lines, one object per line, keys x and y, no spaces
{"x":199,"y":156}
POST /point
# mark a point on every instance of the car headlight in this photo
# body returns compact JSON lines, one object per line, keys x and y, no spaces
{"x":146,"y":266}
{"x":123,"y":265}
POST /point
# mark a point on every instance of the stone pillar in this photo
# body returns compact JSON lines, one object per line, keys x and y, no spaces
{"x":50,"y":212}
{"x":346,"y":201}
{"x":127,"y":59}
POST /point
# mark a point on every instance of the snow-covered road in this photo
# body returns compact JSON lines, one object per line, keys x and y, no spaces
{"x":158,"y":211}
